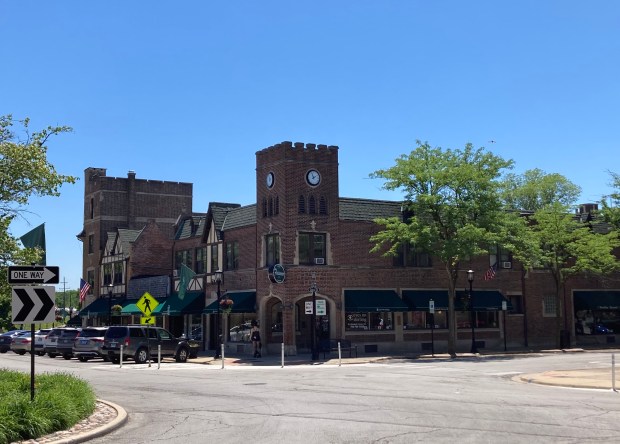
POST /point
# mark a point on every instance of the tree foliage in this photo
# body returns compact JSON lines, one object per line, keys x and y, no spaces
{"x":453,"y":202}
{"x":24,"y":172}
{"x":610,"y":205}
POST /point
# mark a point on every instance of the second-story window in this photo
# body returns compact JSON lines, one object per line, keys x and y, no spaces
{"x":215,"y":262}
{"x":201,"y":260}
{"x":118,"y":272}
{"x":272,"y":244}
{"x":409,"y":256}
{"x":232,"y":255}
{"x":107,"y":274}
{"x":183,"y":257}
{"x":312,"y":248}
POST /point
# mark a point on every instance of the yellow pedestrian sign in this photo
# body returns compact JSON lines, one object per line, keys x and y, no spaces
{"x":147,"y":304}
{"x":147,"y":320}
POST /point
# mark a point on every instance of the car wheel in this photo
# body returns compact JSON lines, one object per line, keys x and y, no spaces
{"x":21,"y":352}
{"x":40,"y":353}
{"x":3,"y":351}
{"x":51,"y":355}
{"x":116,"y":360}
{"x":141,"y":356}
{"x":182,"y":355}
{"x":82,"y":358}
{"x":67,"y":356}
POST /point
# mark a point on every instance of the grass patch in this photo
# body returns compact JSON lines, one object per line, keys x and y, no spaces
{"x":61,"y":400}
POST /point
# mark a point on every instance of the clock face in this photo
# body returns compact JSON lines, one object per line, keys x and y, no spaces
{"x":313,"y":177}
{"x":270,"y":180}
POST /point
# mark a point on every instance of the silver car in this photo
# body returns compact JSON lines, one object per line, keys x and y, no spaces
{"x":88,"y":343}
{"x":21,"y":343}
{"x":39,"y":340}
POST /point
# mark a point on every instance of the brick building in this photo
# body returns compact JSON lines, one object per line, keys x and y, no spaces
{"x":301,"y":242}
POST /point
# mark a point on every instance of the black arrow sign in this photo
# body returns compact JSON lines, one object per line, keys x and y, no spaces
{"x":23,"y":296}
{"x":33,"y":305}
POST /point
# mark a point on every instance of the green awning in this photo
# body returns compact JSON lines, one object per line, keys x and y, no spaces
{"x":101,"y":306}
{"x":244,"y":302}
{"x":361,"y":301}
{"x":417,"y":300}
{"x":596,"y":300}
{"x":484,"y":300}
{"x":192,"y":303}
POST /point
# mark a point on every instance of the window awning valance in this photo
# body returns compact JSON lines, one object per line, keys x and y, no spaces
{"x":243,"y":302}
{"x":101,"y":306}
{"x":360,"y":301}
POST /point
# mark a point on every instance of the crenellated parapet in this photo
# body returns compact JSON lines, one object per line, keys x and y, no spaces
{"x":298,"y":151}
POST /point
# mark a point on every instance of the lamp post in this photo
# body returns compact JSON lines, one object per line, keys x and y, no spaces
{"x":314,"y":289}
{"x":218,"y":337}
{"x":470,"y":278}
{"x":109,"y":304}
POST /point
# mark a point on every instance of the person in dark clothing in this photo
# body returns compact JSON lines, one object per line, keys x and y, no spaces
{"x":255,"y":338}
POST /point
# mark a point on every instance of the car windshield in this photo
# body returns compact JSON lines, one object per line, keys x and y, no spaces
{"x":91,"y":333}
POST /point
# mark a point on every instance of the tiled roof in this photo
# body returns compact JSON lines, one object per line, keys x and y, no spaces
{"x":127,"y":237}
{"x":368,"y":210}
{"x":192,"y":226}
{"x":240,"y":217}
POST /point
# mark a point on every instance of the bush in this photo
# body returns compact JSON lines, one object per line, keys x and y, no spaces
{"x":61,"y":400}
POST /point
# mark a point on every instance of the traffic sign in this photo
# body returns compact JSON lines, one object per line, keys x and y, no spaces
{"x":32,"y":305}
{"x":321,"y":307}
{"x":147,"y":304}
{"x":147,"y":320}
{"x":36,"y":274}
{"x":309,"y":309}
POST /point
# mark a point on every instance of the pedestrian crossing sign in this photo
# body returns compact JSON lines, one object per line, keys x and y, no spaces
{"x":147,"y":304}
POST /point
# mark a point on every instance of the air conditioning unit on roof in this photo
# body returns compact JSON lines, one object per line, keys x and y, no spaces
{"x":506,"y":264}
{"x":319,"y":260}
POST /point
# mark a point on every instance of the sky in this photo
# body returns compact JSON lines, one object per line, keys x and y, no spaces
{"x":189,"y":91}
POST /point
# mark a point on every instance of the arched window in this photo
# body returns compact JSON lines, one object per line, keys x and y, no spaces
{"x":311,"y":205}
{"x":322,"y":205}
{"x":301,"y":205}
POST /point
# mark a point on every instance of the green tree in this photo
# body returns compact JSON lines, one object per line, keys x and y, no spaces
{"x":455,"y":209}
{"x":610,"y":205}
{"x":552,"y":237}
{"x":24,"y":172}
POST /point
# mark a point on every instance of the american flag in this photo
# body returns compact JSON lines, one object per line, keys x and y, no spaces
{"x":490,"y":274}
{"x":84,"y":287}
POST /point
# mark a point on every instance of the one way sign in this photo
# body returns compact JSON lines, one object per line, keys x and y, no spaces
{"x":33,"y":305}
{"x":36,"y":274}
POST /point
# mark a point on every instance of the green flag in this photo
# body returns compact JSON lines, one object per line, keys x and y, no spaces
{"x":35,"y":238}
{"x":186,"y":276}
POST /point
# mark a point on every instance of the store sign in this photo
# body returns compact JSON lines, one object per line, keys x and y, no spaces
{"x":356,"y":321}
{"x":277,"y":274}
{"x":321,"y":307}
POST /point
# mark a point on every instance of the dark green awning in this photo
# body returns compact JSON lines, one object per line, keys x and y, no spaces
{"x":361,"y":301}
{"x":244,"y":302}
{"x":484,"y":300}
{"x":597,"y":300}
{"x":192,"y":303}
{"x":101,"y":306}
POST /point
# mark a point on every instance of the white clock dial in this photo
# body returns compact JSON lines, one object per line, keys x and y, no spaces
{"x":313,"y":177}
{"x":270,"y":180}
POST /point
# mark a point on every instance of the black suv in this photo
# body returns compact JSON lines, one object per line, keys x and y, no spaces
{"x":136,"y":346}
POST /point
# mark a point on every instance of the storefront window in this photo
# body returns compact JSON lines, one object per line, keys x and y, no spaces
{"x":240,"y":327}
{"x":417,"y":320}
{"x":369,"y":321}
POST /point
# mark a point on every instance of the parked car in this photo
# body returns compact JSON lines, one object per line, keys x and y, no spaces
{"x":88,"y":344}
{"x":590,"y":328}
{"x":64,"y":344}
{"x":5,"y":340}
{"x":137,"y":346}
{"x":49,"y":343}
{"x":241,"y":333}
{"x":39,"y":340}
{"x":21,"y":342}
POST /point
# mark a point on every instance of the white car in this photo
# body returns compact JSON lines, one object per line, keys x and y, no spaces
{"x":39,"y":340}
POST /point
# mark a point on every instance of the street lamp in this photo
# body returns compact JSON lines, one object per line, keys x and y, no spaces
{"x":470,"y":278}
{"x":109,"y":304}
{"x":314,"y":289}
{"x":218,"y":338}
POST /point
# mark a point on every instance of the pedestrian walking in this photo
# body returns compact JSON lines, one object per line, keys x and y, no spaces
{"x":256,"y":341}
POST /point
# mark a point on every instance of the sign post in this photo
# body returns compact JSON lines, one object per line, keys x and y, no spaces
{"x":431,"y":312}
{"x":504,"y":308}
{"x":147,"y":304}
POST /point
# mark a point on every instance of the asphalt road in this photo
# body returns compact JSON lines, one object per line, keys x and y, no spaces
{"x":401,"y":401}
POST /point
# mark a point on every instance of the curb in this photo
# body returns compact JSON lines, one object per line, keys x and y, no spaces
{"x":119,"y":421}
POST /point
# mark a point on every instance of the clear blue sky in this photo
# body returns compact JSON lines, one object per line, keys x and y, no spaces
{"x":189,"y":91}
